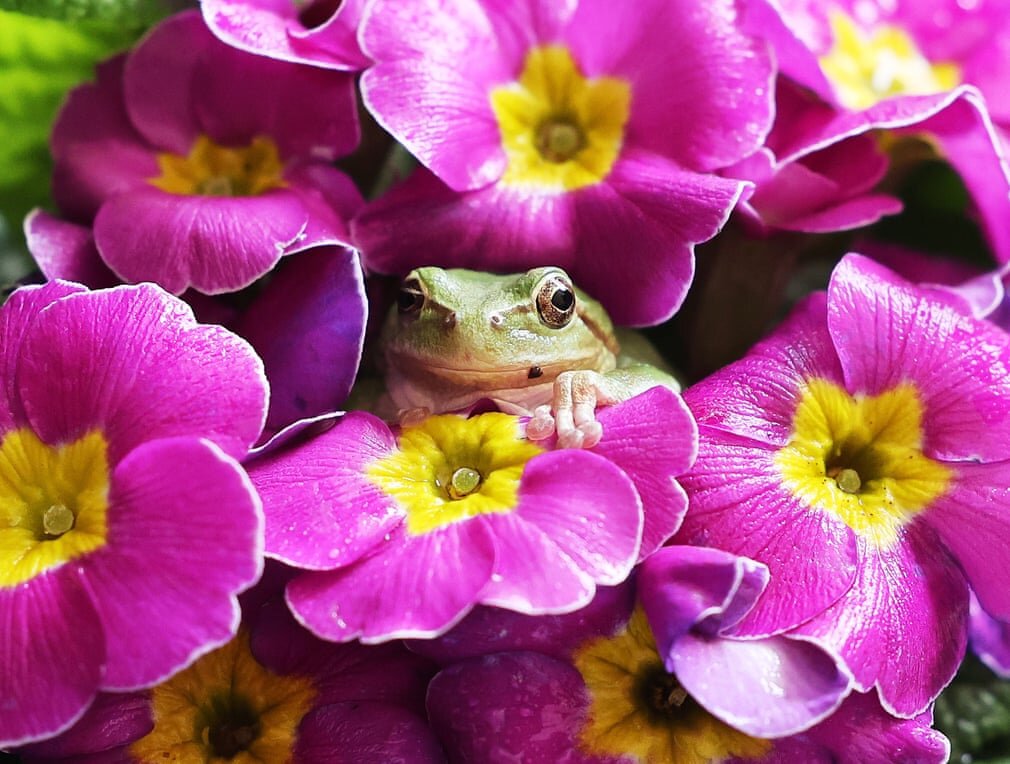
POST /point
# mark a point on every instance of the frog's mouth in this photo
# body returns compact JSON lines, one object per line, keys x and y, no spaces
{"x":479,"y":376}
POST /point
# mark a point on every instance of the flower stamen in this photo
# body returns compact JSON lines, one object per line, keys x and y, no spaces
{"x":57,"y":520}
{"x":464,"y":481}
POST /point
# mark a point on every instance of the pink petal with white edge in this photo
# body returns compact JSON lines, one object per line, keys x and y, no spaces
{"x":213,"y":244}
{"x":185,"y":536}
{"x":52,"y":655}
{"x":707,"y":107}
{"x":64,"y":250}
{"x":321,"y":510}
{"x":739,"y":504}
{"x":910,"y":594}
{"x":139,"y":367}
{"x":159,"y":75}
{"x":653,"y":438}
{"x":756,"y":397}
{"x":887,"y":333}
{"x":764,"y":687}
{"x":17,"y":315}
{"x":272,"y":28}
{"x":366,"y":731}
{"x":973,"y":521}
{"x":97,"y":152}
{"x":411,"y":586}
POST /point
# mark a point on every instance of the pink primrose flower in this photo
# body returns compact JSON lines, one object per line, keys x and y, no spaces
{"x":127,"y":525}
{"x":849,"y":452}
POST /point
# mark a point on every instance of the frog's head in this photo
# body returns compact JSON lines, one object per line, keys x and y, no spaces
{"x":493,"y":332}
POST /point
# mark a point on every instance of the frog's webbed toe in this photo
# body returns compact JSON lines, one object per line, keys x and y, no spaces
{"x":572,"y":413}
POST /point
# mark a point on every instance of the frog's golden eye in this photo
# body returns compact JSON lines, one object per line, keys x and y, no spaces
{"x":410,"y":298}
{"x":555,"y":298}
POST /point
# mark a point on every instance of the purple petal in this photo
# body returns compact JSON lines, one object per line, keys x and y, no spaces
{"x":723,"y":75}
{"x":65,"y":250}
{"x":97,"y":153}
{"x":764,"y":687}
{"x":272,"y":28}
{"x":112,"y":720}
{"x":308,"y":112}
{"x":757,"y":396}
{"x":489,"y":630}
{"x":887,"y":332}
{"x":509,"y":706}
{"x":170,"y":56}
{"x":363,"y":731}
{"x":217,"y":244}
{"x":308,"y":326}
{"x":138,"y":367}
{"x":738,"y":503}
{"x":685,"y":588}
{"x":910,"y":594}
{"x":17,"y":315}
{"x":52,"y":652}
{"x":321,"y":510}
{"x":652,"y":456}
{"x":165,"y":595}
{"x":990,"y":638}
{"x":973,"y":522}
{"x":412,"y":586}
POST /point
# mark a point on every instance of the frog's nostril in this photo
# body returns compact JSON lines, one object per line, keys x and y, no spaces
{"x":497,"y":319}
{"x":450,"y":320}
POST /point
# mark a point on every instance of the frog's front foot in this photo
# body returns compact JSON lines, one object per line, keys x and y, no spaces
{"x":572,"y":413}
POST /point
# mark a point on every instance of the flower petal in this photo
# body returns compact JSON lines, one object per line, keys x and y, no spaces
{"x":114,"y":719}
{"x":65,"y":250}
{"x":366,"y":731}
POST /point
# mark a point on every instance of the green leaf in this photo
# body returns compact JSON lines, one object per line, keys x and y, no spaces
{"x":40,"y":60}
{"x":135,"y":13}
{"x":974,"y":712}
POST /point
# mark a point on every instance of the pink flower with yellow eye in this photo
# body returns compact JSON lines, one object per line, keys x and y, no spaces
{"x":198,"y":165}
{"x":584,"y":134}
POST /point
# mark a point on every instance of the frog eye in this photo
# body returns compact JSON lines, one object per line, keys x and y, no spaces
{"x":555,"y":298}
{"x":410,"y":299}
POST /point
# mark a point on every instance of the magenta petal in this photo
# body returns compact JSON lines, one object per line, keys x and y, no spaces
{"x":738,"y":503}
{"x":764,"y":687}
{"x":319,"y":485}
{"x":910,"y":594}
{"x":412,"y":586}
{"x":721,"y":107}
{"x":757,"y":396}
{"x":308,"y":325}
{"x":52,"y":652}
{"x":990,"y":638}
{"x":887,"y":332}
{"x":509,"y":707}
{"x":139,"y":367}
{"x":652,"y":456}
{"x":364,"y":731}
{"x":165,"y":595}
{"x":492,"y":630}
{"x":271,"y":28}
{"x":685,"y":588}
{"x":216,"y":244}
{"x":17,"y":315}
{"x":306,"y":111}
{"x":170,"y":55}
{"x":973,"y":521}
{"x":113,"y":720}
{"x":65,"y":250}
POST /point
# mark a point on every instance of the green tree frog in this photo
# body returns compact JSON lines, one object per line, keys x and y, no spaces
{"x":532,"y":343}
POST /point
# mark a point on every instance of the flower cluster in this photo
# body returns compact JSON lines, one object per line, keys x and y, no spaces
{"x":308,"y":464}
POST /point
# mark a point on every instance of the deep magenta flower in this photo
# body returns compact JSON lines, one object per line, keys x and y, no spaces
{"x":199,"y":165}
{"x":849,"y":452}
{"x":319,"y":33}
{"x":410,"y":531}
{"x":596,"y":685}
{"x":563,"y":134}
{"x":121,"y":420}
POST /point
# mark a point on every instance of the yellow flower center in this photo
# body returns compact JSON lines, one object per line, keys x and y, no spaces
{"x":226,"y":707}
{"x":860,"y":458}
{"x":53,"y":501}
{"x":866,"y":67}
{"x":213,"y":170}
{"x":559,"y":130}
{"x":448,"y":469}
{"x":638,"y":709}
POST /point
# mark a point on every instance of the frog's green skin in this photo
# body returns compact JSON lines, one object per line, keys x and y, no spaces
{"x":479,"y":335}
